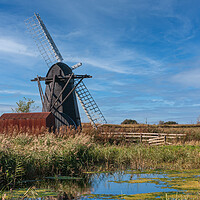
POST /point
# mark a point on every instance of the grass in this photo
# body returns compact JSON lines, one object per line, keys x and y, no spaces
{"x":49,"y":154}
{"x":70,"y":153}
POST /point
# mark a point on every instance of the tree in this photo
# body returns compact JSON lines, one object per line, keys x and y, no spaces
{"x":25,"y":106}
{"x":198,"y":120}
{"x":129,"y":121}
{"x":171,"y":122}
{"x":161,"y":122}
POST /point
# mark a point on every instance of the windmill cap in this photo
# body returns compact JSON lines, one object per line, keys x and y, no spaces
{"x":58,"y":68}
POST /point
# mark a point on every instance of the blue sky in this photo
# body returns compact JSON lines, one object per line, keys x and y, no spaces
{"x":144,"y":55}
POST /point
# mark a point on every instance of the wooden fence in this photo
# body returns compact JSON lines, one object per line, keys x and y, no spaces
{"x":152,"y":139}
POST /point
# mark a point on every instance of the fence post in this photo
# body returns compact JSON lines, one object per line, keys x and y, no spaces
{"x":141,"y":137}
{"x":165,"y":139}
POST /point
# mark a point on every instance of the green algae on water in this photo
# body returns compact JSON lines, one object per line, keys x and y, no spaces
{"x":140,"y":180}
{"x":63,"y":178}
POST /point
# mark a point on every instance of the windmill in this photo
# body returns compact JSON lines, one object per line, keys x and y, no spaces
{"x":62,"y":85}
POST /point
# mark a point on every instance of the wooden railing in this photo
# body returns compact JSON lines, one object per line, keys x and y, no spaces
{"x":159,"y":140}
{"x":149,"y":138}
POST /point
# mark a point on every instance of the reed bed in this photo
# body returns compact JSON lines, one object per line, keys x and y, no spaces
{"x":24,"y":156}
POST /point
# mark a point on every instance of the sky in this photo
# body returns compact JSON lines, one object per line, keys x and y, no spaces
{"x":143,"y":55}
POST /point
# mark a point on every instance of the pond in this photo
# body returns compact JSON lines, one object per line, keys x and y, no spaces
{"x":117,"y":185}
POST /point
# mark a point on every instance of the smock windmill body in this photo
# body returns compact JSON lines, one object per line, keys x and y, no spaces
{"x":62,"y":85}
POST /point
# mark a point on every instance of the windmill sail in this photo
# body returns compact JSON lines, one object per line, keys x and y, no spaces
{"x":90,"y":107}
{"x":43,"y":40}
{"x":51,"y":55}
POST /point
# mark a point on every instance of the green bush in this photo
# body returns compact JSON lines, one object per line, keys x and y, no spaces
{"x":171,"y":122}
{"x":25,"y":106}
{"x":129,"y":121}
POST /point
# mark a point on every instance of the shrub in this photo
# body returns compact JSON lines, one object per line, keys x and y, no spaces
{"x":129,"y":121}
{"x":25,"y":106}
{"x":171,"y":122}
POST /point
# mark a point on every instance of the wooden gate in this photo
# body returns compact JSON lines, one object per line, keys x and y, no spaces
{"x":152,"y":139}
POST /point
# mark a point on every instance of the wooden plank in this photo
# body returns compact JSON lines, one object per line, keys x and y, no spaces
{"x":136,"y":136}
{"x":128,"y":140}
{"x":122,"y":133}
{"x":156,"y":141}
{"x":132,"y":137}
{"x":156,"y":144}
{"x":168,"y":143}
{"x":173,"y":137}
{"x":171,"y":134}
{"x":52,"y":91}
{"x":61,"y":77}
{"x":157,"y":138}
{"x":143,"y":136}
{"x":125,"y":133}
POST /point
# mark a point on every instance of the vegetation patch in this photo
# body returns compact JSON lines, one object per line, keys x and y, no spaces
{"x":124,"y":196}
{"x":63,"y":178}
{"x":162,"y":195}
{"x":140,"y":180}
{"x":145,"y":196}
{"x":28,"y":157}
{"x":31,"y":192}
{"x":62,"y":157}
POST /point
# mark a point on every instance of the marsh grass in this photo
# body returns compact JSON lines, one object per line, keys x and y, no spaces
{"x":69,"y":152}
{"x":50,"y":154}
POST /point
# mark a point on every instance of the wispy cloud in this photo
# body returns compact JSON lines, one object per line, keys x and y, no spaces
{"x":5,"y":108}
{"x":188,"y":78}
{"x":97,"y":87}
{"x":124,"y":62}
{"x":181,"y":29}
{"x":11,"y":46}
{"x":164,"y":102}
{"x":70,"y":35}
{"x":118,"y":83}
{"x":18,"y":92}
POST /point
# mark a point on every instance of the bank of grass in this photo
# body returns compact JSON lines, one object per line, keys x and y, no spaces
{"x":32,"y":157}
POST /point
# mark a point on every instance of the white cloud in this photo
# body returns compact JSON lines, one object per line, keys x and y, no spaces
{"x":188,"y":78}
{"x":10,"y":45}
{"x":166,"y":102}
{"x":20,"y":92}
{"x":70,"y":35}
{"x":136,"y":64}
{"x":5,"y":108}
{"x":196,"y":105}
{"x":97,"y":87}
{"x":118,"y":83}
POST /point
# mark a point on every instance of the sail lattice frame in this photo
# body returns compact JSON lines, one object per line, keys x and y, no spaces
{"x":89,"y":105}
{"x":43,"y":40}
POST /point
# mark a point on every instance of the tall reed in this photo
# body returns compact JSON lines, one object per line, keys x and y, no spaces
{"x":49,"y":154}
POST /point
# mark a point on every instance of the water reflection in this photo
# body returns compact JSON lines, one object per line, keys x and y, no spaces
{"x":119,"y":184}
{"x":50,"y":188}
{"x":116,"y":185}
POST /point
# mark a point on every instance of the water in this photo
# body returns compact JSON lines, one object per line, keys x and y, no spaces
{"x":118,"y":185}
